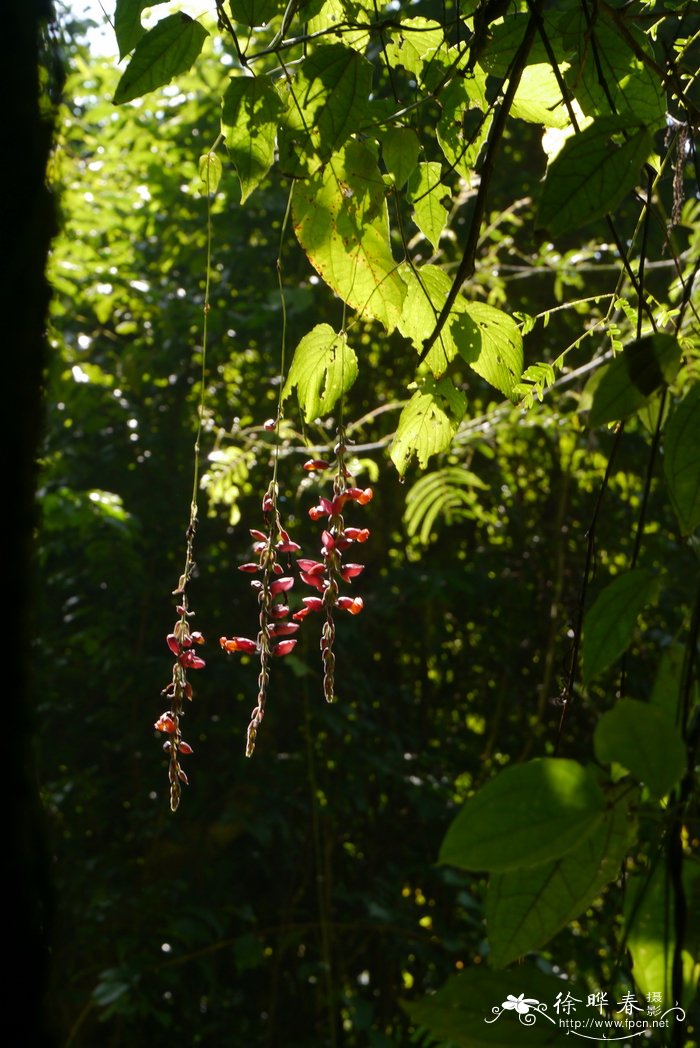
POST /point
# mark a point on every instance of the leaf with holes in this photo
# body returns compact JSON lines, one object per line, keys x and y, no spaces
{"x":166,"y":50}
{"x":428,"y":423}
{"x":591,"y":175}
{"x":324,"y":367}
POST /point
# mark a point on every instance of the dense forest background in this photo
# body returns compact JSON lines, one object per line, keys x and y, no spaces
{"x":296,"y":899}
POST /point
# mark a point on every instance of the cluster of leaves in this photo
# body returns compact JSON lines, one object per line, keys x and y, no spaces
{"x":399,"y":139}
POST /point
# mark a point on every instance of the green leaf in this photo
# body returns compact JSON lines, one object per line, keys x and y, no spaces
{"x":464,"y":124}
{"x":166,"y":50}
{"x":326,"y":102}
{"x":414,"y":44}
{"x":591,"y":175}
{"x":251,"y":110}
{"x":451,"y":493}
{"x":400,"y":150}
{"x":524,"y":909}
{"x":210,"y":171}
{"x":497,"y":353}
{"x":607,"y":78}
{"x":682,"y":459}
{"x":651,"y":938}
{"x":527,"y":815}
{"x":627,"y":383}
{"x":256,"y":12}
{"x":341,"y":221}
{"x":609,"y":623}
{"x":467,"y":1011}
{"x":486,"y":338}
{"x":425,"y":194}
{"x":428,"y":423}
{"x":638,"y":736}
{"x":127,"y":23}
{"x":324,"y":367}
{"x":666,"y":692}
{"x":538,"y":98}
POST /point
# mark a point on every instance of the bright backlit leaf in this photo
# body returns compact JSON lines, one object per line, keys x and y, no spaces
{"x":400,"y":151}
{"x":428,"y":423}
{"x":324,"y":367}
{"x":251,"y":109}
{"x":341,"y":220}
{"x":425,"y":195}
{"x":127,"y":23}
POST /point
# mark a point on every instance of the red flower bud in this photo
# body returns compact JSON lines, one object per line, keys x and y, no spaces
{"x":268,"y":503}
{"x":197,"y":637}
{"x":166,"y":723}
{"x":312,"y":580}
{"x":351,"y":571}
{"x":282,"y":629}
{"x":250,"y":567}
{"x":260,"y":535}
{"x":313,"y":464}
{"x":352,"y":604}
{"x":313,"y":603}
{"x":238,"y":644}
{"x":173,"y":643}
{"x":327,"y":541}
{"x":301,"y":614}
{"x":311,"y":567}
{"x":269,"y":425}
{"x":357,"y":534}
{"x":190,"y":661}
{"x":279,"y":611}
{"x":283,"y":648}
{"x":185,"y":748}
{"x":288,"y":547}
{"x":281,"y":585}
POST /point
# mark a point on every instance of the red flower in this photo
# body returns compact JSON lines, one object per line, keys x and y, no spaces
{"x":352,"y":604}
{"x":281,"y":585}
{"x":166,"y":723}
{"x":238,"y":644}
{"x":283,"y":648}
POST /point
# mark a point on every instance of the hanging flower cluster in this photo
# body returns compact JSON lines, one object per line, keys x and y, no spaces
{"x":275,"y":636}
{"x":328,"y":574}
{"x":181,"y":642}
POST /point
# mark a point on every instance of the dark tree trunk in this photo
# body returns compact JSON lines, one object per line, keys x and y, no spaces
{"x":28,"y":227}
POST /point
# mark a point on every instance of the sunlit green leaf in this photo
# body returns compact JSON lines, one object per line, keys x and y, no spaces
{"x":591,"y":175}
{"x":428,"y":423}
{"x":341,"y":220}
{"x":682,"y":459}
{"x":127,"y":23}
{"x":256,"y":12}
{"x":251,"y":109}
{"x":526,"y":815}
{"x":463,"y":127}
{"x":400,"y":150}
{"x":497,"y":353}
{"x":324,"y":367}
{"x":210,"y":171}
{"x":166,"y":50}
{"x":425,"y":194}
{"x":525,"y":908}
{"x":638,"y":736}
{"x":609,"y":624}
{"x":414,"y":44}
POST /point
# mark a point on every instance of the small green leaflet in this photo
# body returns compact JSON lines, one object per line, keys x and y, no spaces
{"x":166,"y":50}
{"x":127,"y":23}
{"x":682,"y":459}
{"x":251,"y":109}
{"x":341,"y":220}
{"x":638,"y":736}
{"x":428,"y":423}
{"x":525,"y":908}
{"x":526,"y":815}
{"x":324,"y":367}
{"x":210,"y":171}
{"x":609,"y":623}
{"x":591,"y":175}
{"x":400,"y":150}
{"x":625,"y":385}
{"x":425,"y":195}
